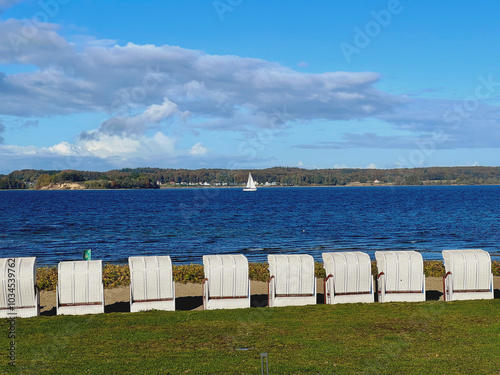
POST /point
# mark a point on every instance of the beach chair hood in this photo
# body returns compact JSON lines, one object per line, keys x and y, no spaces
{"x":292,"y":280}
{"x":400,"y":276}
{"x":228,"y":275}
{"x":79,"y":288}
{"x":151,"y":283}
{"x":468,"y":274}
{"x":348,"y":277}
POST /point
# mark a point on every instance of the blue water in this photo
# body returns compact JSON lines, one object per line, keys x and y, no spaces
{"x":187,"y":223}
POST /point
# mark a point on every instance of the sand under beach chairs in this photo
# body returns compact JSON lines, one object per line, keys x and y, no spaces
{"x":79,"y":288}
{"x":226,"y":284}
{"x":151,"y":284}
{"x":468,"y":275}
{"x":292,"y":281}
{"x":348,"y":277}
{"x":401,"y":276}
{"x":19,"y":295}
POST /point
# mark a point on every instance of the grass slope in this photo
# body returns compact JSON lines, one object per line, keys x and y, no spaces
{"x":393,"y":338}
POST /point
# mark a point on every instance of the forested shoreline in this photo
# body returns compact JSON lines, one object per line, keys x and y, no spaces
{"x":154,"y":178}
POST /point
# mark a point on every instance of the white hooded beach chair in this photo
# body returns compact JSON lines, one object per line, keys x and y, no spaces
{"x":468,"y":275}
{"x":292,"y":281}
{"x":79,"y":288}
{"x":151,"y":284}
{"x":19,"y":295}
{"x":401,"y":276}
{"x":348,"y":277}
{"x":226,"y":284}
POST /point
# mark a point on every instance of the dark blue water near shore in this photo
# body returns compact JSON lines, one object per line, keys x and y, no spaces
{"x":187,"y":223}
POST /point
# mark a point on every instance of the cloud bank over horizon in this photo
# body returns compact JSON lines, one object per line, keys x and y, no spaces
{"x":161,"y":104}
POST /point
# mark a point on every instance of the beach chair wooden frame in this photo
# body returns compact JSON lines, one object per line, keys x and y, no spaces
{"x":468,"y":275}
{"x":80,"y":289}
{"x":151,"y":284}
{"x":292,"y":281}
{"x":348,"y":277}
{"x":400,"y":276}
{"x":226,"y":284}
{"x":19,"y":295}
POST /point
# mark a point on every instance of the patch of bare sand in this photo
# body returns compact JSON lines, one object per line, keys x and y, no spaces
{"x":189,"y":296}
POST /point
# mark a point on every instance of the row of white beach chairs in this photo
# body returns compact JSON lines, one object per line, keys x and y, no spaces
{"x":226,"y":285}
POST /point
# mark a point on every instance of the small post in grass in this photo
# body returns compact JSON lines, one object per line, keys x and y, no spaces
{"x":262,"y":356}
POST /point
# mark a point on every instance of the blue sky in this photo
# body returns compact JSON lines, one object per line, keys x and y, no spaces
{"x":95,"y":85}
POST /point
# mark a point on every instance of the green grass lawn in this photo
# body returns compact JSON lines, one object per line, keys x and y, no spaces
{"x":394,"y":338}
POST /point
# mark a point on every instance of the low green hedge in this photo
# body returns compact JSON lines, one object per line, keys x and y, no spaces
{"x":114,"y":275}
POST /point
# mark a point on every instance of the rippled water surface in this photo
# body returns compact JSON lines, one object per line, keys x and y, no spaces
{"x":187,"y":223}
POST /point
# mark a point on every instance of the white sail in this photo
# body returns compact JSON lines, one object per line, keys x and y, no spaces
{"x":250,"y":184}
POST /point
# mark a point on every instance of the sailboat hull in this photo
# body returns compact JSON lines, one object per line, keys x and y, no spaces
{"x":250,"y":184}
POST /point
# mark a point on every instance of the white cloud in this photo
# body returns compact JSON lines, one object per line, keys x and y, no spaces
{"x":198,"y":149}
{"x":25,"y":42}
{"x":371,"y":166}
{"x":63,"y":148}
{"x":213,"y":92}
{"x":108,"y":146}
{"x":139,"y":123}
{"x":103,"y":152}
{"x":146,"y":90}
{"x":158,"y":112}
{"x":109,"y":152}
{"x":96,"y":77}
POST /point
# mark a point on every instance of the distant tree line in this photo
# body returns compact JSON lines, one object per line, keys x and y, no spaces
{"x":152,"y":178}
{"x":7,"y":182}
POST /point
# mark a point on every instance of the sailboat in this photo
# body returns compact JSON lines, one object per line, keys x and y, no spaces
{"x":250,"y":184}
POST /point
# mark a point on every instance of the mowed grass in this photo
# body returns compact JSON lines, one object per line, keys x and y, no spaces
{"x":395,"y":338}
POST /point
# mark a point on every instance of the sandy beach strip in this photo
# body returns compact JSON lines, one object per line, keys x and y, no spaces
{"x":189,"y":296}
